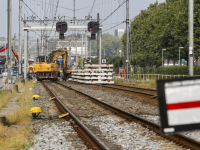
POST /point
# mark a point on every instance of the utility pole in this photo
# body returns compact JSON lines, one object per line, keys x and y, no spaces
{"x":90,"y":51}
{"x":100,"y":46}
{"x":42,"y":33}
{"x":191,"y":40}
{"x":25,"y":53}
{"x":14,"y":48}
{"x":127,"y":34}
{"x":98,"y":38}
{"x":85,"y":44}
{"x":76,"y":52}
{"x":46,"y":50}
{"x":70,"y":54}
{"x":20,"y":39}
{"x":38,"y":47}
{"x":74,"y":13}
{"x":82,"y":53}
{"x":9,"y":34}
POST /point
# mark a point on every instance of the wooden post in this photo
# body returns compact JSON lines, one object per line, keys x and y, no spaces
{"x":3,"y":120}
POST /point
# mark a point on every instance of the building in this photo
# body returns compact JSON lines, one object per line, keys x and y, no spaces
{"x":119,"y":32}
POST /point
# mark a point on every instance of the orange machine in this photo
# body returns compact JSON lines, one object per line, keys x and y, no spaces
{"x":121,"y":71}
{"x":45,"y":70}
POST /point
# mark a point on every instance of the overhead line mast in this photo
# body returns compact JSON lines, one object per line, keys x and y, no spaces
{"x":191,"y":37}
{"x":20,"y":38}
{"x":127,"y":34}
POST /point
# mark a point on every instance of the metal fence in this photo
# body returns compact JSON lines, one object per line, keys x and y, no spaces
{"x":1,"y":83}
{"x":145,"y":78}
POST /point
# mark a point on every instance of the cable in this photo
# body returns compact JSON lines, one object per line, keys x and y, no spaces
{"x":32,"y":11}
{"x":32,"y":30}
{"x":55,"y":5}
{"x":28,"y":14}
{"x":113,"y":11}
{"x":54,"y":17}
{"x":110,"y":23}
{"x":95,"y":5}
{"x":113,"y":26}
{"x":92,"y":7}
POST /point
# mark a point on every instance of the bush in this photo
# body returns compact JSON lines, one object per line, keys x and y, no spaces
{"x":176,"y":70}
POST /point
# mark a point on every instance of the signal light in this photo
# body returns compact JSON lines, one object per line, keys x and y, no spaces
{"x":61,"y":27}
{"x":93,"y":27}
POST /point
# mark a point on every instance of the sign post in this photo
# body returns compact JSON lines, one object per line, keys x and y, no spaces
{"x":103,"y":61}
{"x":179,"y":104}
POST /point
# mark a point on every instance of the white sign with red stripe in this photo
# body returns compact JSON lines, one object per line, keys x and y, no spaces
{"x":183,"y":102}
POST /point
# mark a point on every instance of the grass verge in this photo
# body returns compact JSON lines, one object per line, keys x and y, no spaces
{"x":5,"y":97}
{"x":18,"y":138}
{"x":145,"y":84}
{"x":20,"y":85}
{"x":12,"y":138}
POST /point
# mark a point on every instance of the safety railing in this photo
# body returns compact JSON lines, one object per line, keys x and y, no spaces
{"x":144,"y":78}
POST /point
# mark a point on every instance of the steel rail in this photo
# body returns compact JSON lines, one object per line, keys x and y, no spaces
{"x":95,"y":142}
{"x":148,"y":94}
{"x":152,"y":96}
{"x":135,"y":87}
{"x":177,"y":138}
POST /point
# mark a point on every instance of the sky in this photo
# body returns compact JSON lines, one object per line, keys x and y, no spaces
{"x":66,"y":7}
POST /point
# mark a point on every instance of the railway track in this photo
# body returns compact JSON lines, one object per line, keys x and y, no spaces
{"x":151,"y":93}
{"x":90,"y":139}
{"x":179,"y":139}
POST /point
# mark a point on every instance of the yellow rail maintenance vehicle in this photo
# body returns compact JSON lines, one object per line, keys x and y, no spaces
{"x":63,"y":71}
{"x":45,"y":70}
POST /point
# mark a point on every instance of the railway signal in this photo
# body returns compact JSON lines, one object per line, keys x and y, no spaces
{"x":93,"y":28}
{"x":61,"y":28}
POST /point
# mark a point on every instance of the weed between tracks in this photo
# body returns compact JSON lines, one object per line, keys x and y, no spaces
{"x":18,"y":137}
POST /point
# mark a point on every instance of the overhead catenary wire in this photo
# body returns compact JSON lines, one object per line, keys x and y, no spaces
{"x":113,"y":11}
{"x":114,"y":26}
{"x":33,"y":30}
{"x":33,"y":12}
{"x":55,"y":5}
{"x":95,"y":5}
{"x":54,"y":16}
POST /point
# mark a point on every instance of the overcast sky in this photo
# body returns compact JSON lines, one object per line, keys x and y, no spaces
{"x":82,"y":7}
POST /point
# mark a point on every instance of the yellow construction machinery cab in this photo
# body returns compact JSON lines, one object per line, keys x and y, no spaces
{"x":63,"y":70}
{"x":44,"y":69}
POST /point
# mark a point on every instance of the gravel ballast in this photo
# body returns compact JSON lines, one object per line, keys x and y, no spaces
{"x":49,"y":131}
{"x":132,"y":104}
{"x":112,"y":130}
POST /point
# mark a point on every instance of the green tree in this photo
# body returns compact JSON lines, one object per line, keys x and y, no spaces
{"x":162,"y":26}
{"x":110,"y":45}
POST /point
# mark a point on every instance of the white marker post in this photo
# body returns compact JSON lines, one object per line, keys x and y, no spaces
{"x":179,"y":104}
